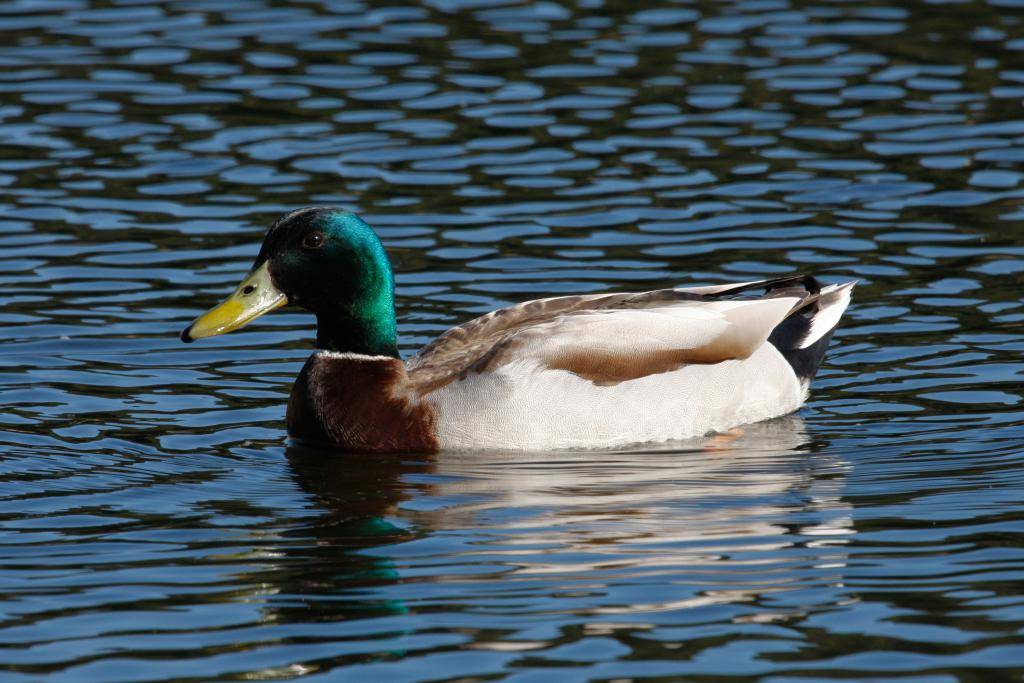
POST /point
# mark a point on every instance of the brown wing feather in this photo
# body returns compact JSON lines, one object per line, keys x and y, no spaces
{"x":480,"y":343}
{"x":609,"y":368}
{"x":488,"y":341}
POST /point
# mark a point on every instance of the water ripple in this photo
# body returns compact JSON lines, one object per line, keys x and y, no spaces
{"x":152,"y":513}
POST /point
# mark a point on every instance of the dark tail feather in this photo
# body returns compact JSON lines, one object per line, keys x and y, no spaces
{"x":788,"y":285}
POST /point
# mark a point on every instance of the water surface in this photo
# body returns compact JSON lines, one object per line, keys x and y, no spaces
{"x":156,"y":525}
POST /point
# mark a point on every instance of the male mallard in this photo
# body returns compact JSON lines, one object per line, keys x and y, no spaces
{"x":589,"y":371}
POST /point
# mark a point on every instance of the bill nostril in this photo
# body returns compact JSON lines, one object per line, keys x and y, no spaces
{"x":248,"y":289}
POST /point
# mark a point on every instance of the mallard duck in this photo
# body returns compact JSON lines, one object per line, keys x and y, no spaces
{"x":569,"y":372}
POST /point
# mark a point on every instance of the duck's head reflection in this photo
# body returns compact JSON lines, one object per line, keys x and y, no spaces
{"x":334,"y":561}
{"x":733,"y":503}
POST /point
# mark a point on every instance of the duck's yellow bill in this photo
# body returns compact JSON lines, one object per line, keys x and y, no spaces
{"x":254,"y":297}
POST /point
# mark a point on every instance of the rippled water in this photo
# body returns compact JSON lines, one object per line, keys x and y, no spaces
{"x":154,"y":523}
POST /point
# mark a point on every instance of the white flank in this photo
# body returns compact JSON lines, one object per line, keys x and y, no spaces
{"x":525,"y":406}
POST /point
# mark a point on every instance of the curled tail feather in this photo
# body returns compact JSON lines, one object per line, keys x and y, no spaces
{"x":803,"y":337}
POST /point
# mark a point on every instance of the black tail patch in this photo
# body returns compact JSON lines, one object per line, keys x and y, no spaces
{"x":806,"y":361}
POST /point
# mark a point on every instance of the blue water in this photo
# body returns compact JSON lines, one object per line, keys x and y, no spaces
{"x":156,"y":525}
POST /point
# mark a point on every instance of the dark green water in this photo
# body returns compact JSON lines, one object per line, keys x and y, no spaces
{"x":154,"y":522}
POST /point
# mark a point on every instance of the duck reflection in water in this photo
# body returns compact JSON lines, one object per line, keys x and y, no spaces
{"x":731,"y":519}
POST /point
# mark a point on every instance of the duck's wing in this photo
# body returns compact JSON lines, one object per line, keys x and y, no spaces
{"x":611,"y":338}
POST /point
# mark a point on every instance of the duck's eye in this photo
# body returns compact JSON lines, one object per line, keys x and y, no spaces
{"x":313,"y":240}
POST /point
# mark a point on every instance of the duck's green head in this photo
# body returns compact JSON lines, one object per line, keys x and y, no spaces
{"x":329,"y":262}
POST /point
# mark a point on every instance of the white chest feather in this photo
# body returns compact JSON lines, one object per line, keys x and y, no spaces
{"x":524,"y":406}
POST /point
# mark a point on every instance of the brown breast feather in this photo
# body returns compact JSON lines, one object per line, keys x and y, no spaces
{"x":360,"y":404}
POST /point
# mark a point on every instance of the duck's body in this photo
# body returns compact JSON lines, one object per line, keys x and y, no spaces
{"x":577,"y":372}
{"x":597,"y":371}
